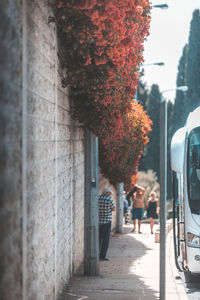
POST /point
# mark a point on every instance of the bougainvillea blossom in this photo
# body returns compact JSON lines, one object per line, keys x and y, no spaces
{"x":102,"y":45}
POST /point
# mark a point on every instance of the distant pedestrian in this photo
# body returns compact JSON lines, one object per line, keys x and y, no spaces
{"x":138,"y":207}
{"x":152,"y":209}
{"x":125,"y":209}
{"x":106,"y":207}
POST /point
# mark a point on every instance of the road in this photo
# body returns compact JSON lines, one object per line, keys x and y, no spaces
{"x":192,"y":285}
{"x":184,"y":281}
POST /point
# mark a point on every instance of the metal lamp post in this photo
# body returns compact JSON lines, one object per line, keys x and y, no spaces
{"x":163,"y":187}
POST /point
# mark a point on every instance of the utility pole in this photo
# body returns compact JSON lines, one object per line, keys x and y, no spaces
{"x":91,"y":258}
{"x":163,"y":191}
{"x":163,"y":187}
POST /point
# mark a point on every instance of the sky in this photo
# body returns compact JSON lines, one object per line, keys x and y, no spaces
{"x":169,"y":32}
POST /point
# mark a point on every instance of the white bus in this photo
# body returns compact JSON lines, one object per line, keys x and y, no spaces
{"x":185,"y":163}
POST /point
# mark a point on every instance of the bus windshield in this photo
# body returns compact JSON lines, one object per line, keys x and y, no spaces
{"x":193,"y":171}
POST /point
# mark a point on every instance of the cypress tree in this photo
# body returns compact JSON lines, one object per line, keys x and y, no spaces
{"x":170,"y":109}
{"x":179,"y":114}
{"x":193,"y":64}
{"x":151,"y":156}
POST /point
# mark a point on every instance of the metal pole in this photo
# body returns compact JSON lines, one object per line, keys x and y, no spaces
{"x":91,"y":258}
{"x":119,"y":208}
{"x":163,"y":190}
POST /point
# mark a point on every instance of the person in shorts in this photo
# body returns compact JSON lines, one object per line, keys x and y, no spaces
{"x":138,"y":207}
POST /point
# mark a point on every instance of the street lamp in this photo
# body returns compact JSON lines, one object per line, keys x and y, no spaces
{"x":160,"y":64}
{"x":163,"y":185}
{"x":153,"y":64}
{"x":162,"y":6}
{"x":182,"y":88}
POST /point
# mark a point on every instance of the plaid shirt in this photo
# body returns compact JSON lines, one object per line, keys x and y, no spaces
{"x":106,"y":205}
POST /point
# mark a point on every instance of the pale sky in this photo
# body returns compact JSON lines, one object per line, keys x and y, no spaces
{"x":169,"y":31}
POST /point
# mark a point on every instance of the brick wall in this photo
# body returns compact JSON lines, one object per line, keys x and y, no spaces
{"x":42,"y":160}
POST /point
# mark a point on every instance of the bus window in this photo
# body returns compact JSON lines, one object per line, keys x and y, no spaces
{"x":193,"y":172}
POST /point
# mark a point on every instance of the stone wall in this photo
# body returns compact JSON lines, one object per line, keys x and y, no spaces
{"x":42,"y":160}
{"x":10,"y":150}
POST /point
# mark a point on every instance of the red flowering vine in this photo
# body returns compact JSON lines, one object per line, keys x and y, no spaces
{"x":119,"y":158}
{"x":101,"y":49}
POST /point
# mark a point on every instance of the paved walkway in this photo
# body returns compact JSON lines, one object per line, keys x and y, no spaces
{"x":132,"y":272}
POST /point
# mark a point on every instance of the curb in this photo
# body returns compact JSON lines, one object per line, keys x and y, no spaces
{"x":169,"y":226}
{"x":175,"y":274}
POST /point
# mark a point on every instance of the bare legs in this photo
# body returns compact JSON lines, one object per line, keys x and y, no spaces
{"x":134,"y":225}
{"x":152,"y":221}
{"x":151,"y":224}
{"x":139,"y":225}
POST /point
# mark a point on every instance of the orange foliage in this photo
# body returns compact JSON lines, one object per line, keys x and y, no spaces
{"x":102,"y":44}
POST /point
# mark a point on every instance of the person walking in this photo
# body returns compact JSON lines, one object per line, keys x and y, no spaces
{"x":152,"y":209}
{"x":138,"y":207}
{"x":106,"y":207}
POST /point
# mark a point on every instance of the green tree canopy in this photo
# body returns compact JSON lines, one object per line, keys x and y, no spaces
{"x":193,"y":63}
{"x":151,"y":156}
{"x":179,"y":114}
{"x":189,"y":75}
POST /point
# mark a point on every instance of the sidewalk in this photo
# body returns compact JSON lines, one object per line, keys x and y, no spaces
{"x":132,"y":272}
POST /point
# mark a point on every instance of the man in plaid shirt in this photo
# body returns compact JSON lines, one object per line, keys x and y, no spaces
{"x":106,"y":206}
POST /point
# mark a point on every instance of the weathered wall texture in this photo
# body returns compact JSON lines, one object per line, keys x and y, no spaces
{"x":55,"y":160}
{"x":10,"y":150}
{"x":42,"y":170}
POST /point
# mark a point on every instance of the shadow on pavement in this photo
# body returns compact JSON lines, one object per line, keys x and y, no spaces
{"x":192,"y":285}
{"x":118,"y":278}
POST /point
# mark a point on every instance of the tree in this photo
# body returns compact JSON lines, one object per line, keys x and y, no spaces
{"x":101,"y":45}
{"x":170,"y":109}
{"x":188,"y":74}
{"x":119,"y":159}
{"x":151,"y":156}
{"x":193,"y":64}
{"x":179,"y":111}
